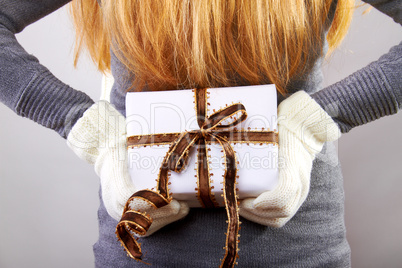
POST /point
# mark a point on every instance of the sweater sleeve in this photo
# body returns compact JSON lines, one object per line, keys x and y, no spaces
{"x":26,"y":86}
{"x":372,"y":92}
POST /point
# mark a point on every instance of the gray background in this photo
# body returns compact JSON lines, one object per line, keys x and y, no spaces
{"x":49,"y":198}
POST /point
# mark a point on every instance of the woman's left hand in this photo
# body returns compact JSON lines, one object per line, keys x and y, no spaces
{"x":303,"y":128}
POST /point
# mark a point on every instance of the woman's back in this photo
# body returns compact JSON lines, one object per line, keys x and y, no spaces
{"x":314,"y":237}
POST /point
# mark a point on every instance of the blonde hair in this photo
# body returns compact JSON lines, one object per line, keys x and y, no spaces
{"x":174,"y":44}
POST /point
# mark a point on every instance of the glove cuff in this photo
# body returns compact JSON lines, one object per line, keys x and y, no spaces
{"x":100,"y":127}
{"x":303,"y":116}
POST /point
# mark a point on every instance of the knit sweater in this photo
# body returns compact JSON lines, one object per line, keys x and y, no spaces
{"x":315,"y":237}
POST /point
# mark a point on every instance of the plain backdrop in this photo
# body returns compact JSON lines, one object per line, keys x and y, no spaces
{"x":49,"y":198}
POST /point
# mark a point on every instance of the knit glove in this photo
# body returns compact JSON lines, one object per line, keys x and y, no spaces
{"x":99,"y":137}
{"x":161,"y":217}
{"x":303,"y":128}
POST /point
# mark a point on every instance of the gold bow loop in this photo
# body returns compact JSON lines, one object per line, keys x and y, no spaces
{"x":210,"y":128}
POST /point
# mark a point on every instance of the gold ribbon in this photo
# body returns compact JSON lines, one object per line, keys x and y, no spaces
{"x":212,"y":129}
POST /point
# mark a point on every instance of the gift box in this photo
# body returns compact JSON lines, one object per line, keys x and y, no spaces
{"x":242,"y":120}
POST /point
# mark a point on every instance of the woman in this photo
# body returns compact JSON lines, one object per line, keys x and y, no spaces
{"x":299,"y":235}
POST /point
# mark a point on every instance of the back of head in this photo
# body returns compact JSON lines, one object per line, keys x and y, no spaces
{"x":174,"y":44}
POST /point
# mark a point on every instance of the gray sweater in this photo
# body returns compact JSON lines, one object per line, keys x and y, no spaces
{"x":315,"y":237}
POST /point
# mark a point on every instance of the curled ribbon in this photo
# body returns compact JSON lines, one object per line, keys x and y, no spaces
{"x":212,"y":129}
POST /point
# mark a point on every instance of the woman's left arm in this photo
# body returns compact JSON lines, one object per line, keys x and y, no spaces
{"x":368,"y":94}
{"x":372,"y":92}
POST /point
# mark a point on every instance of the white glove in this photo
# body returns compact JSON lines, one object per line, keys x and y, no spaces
{"x":99,"y":137}
{"x":303,"y":128}
{"x":161,"y":217}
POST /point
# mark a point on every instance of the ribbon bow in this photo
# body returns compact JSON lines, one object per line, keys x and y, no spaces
{"x":212,"y":129}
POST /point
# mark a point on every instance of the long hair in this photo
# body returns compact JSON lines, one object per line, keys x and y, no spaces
{"x":174,"y":44}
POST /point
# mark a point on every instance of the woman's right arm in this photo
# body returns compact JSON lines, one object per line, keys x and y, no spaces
{"x":26,"y":86}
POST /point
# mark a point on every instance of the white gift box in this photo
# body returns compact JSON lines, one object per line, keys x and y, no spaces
{"x":174,"y":112}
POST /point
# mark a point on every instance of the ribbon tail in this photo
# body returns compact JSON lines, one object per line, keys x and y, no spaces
{"x":128,"y":241}
{"x":134,"y":222}
{"x":204,"y":193}
{"x":232,"y":210}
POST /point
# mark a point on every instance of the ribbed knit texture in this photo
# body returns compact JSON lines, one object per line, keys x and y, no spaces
{"x":51,"y":103}
{"x":369,"y":94}
{"x":26,"y":86}
{"x":16,"y":15}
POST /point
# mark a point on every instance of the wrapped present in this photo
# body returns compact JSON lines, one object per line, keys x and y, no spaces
{"x":210,"y":147}
{"x":171,"y":113}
